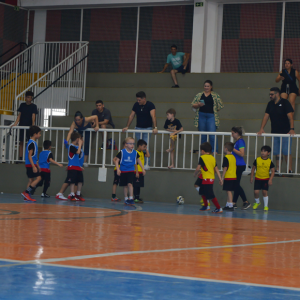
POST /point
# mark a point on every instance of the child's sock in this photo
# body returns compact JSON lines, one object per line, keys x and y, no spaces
{"x":130,"y":197}
{"x":216,"y":203}
{"x":204,"y":200}
{"x":197,"y":188}
{"x":227,"y":204}
{"x":72,"y":194}
{"x":126,"y":198}
{"x":78,"y":193}
{"x":230,"y":204}
{"x":257,"y":200}
{"x":266,"y":201}
{"x":30,"y":190}
{"x":113,"y":196}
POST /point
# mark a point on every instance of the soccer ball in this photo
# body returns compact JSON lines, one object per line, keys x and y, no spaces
{"x":180,"y":200}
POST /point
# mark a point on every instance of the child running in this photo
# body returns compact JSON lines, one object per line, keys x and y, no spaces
{"x":31,"y":163}
{"x":263,"y":165}
{"x":174,"y":126}
{"x":139,"y":178}
{"x":208,"y":166}
{"x":229,"y":174}
{"x":239,"y":152}
{"x":125,"y":162}
{"x":45,"y":158}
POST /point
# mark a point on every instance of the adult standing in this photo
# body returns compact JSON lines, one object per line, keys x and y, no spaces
{"x":26,"y":117}
{"x":239,"y":152}
{"x":280,"y":112}
{"x":206,"y":106}
{"x":289,"y":76}
{"x":145,"y":119}
{"x":104,"y":116}
{"x":80,"y":124}
{"x":179,"y":61}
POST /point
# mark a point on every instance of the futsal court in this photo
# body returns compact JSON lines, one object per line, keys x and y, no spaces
{"x":102,"y":250}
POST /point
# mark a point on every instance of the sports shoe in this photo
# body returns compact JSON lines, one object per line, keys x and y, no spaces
{"x":85,"y":165}
{"x":73,"y":198}
{"x":129,"y":202}
{"x":225,"y":207}
{"x":27,"y":196}
{"x":146,"y":167}
{"x":202,"y":202}
{"x":60,"y":197}
{"x":45,"y":195}
{"x":175,"y":86}
{"x":234,"y":206}
{"x":217,"y":211}
{"x":69,"y":196}
{"x":246,"y":205}
{"x":139,"y":201}
{"x":256,"y":205}
{"x":115,"y":199}
{"x":266,"y":208}
{"x":229,"y":209}
{"x":79,"y":198}
{"x":203,"y":208}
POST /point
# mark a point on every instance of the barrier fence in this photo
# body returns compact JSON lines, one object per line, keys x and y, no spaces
{"x":106,"y":143}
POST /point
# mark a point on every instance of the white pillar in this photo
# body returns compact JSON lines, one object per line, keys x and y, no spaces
{"x":198,"y":37}
{"x":39,"y":35}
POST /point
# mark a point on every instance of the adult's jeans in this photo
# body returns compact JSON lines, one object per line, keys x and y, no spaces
{"x":144,"y":136}
{"x":238,"y":191}
{"x":207,"y":123}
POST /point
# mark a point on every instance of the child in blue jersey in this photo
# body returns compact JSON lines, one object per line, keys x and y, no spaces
{"x":31,"y":163}
{"x":125,"y":163}
{"x":45,"y":158}
{"x":75,"y":175}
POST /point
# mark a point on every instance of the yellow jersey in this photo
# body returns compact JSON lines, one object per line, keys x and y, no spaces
{"x":230,"y":162}
{"x":263,"y":167}
{"x":142,"y":159}
{"x":208,"y":164}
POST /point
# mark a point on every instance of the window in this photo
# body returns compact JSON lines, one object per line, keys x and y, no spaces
{"x":55,"y":112}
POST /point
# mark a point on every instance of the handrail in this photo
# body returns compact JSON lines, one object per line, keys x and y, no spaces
{"x":19,"y":44}
{"x":50,"y":71}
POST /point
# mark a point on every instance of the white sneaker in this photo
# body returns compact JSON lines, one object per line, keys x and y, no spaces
{"x":147,"y":168}
{"x":60,"y":197}
{"x":85,"y":165}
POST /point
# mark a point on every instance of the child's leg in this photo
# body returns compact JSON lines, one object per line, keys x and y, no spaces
{"x":63,"y":188}
{"x":36,"y":181}
{"x":171,"y":146}
{"x":76,"y":188}
{"x":79,"y":186}
{"x":229,"y":196}
{"x":137,"y":191}
{"x":172,"y":159}
{"x":29,"y":182}
{"x":114,"y":189}
{"x":215,"y":202}
{"x":72,"y":188}
{"x":256,"y":196}
{"x":265,"y":197}
{"x":46,"y":186}
{"x":125,"y":192}
{"x":130,"y":190}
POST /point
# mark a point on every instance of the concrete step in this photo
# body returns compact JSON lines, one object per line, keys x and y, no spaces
{"x":182,"y":95}
{"x":190,"y":80}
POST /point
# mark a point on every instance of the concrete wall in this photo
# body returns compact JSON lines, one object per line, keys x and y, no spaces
{"x":160,"y":186}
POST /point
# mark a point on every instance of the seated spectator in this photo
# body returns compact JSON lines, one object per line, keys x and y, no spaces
{"x":104,"y":115}
{"x":179,"y":61}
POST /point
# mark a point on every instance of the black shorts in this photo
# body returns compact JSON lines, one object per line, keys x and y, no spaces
{"x":31,"y":174}
{"x":126,"y":178}
{"x":116,"y":178}
{"x":139,"y":182}
{"x":198,"y":182}
{"x":74,"y":176}
{"x":46,"y":177}
{"x":229,"y":185}
{"x":207,"y":191}
{"x":261,"y":185}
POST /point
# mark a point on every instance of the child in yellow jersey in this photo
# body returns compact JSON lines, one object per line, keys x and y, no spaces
{"x":263,"y":165}
{"x":208,"y":166}
{"x":114,"y":197}
{"x":229,"y":174}
{"x":139,"y":179}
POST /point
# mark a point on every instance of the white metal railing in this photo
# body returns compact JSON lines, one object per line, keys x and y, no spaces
{"x":185,"y":158}
{"x":21,"y":72}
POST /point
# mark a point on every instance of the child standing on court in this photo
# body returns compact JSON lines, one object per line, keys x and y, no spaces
{"x":174,"y":126}
{"x":229,"y":174}
{"x":139,"y":178}
{"x":263,"y":165}
{"x":75,"y":175}
{"x":45,"y":158}
{"x":208,"y":166}
{"x":31,"y":163}
{"x":125,"y":162}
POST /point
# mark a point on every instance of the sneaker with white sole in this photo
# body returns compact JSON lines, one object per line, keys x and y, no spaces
{"x":60,"y":197}
{"x":217,"y":211}
{"x":45,"y":195}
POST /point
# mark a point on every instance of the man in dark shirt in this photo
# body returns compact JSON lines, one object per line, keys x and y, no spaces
{"x":26,"y":117}
{"x":145,"y":119}
{"x":104,"y":115}
{"x":280,"y":112}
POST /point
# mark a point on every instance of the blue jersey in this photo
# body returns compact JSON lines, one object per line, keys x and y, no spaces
{"x":32,"y":145}
{"x":73,"y":157}
{"x":128,"y":160}
{"x":44,"y":160}
{"x":81,"y":158}
{"x":239,"y":144}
